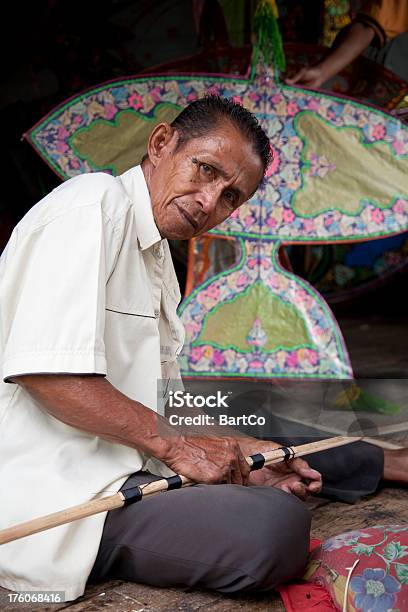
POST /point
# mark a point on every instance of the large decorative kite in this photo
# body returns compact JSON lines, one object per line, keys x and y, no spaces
{"x":339,"y":174}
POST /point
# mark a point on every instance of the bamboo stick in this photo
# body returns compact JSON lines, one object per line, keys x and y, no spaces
{"x":117,"y":500}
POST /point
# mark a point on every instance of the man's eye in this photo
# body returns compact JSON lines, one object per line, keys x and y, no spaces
{"x":230,"y":198}
{"x":207,"y":171}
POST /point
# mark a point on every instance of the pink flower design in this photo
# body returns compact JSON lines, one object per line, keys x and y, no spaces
{"x":192,"y":96}
{"x":292,"y":360}
{"x":135,"y":100}
{"x":110,"y":111}
{"x":62,"y":133}
{"x":276,"y":98}
{"x":256,"y":364}
{"x":237,"y":100}
{"x":249,"y":220}
{"x":399,"y":147}
{"x":292,"y":108}
{"x":252,"y":262}
{"x":254,"y":97}
{"x":77,"y":120}
{"x":377,"y":216}
{"x":196,"y":353}
{"x":155,"y":93}
{"x":309,"y":225}
{"x":213,"y":90}
{"x":234,"y":214}
{"x":74,"y":163}
{"x":288,"y":215}
{"x":399,"y":207}
{"x":192,"y":328}
{"x":301,"y":296}
{"x":313,"y":104}
{"x":242,"y":279}
{"x":218,"y":358}
{"x":213,"y":292}
{"x":61,"y":147}
{"x":378,"y":131}
{"x":313,"y":357}
{"x":271,"y":222}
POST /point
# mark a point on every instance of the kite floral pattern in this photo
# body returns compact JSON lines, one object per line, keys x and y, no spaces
{"x":321,"y":355}
{"x":271,"y":213}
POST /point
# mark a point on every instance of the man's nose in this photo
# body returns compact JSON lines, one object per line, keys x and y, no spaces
{"x":207,"y":199}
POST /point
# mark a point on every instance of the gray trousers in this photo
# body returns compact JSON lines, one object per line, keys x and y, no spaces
{"x":223,"y":537}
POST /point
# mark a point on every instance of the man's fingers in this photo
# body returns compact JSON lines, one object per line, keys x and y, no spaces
{"x":315,"y":487}
{"x":301,"y":467}
{"x":297,"y":487}
{"x":300,"y":490}
{"x":245,"y":469}
{"x":241,"y":469}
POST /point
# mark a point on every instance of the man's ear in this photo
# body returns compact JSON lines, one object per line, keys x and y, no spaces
{"x":162,"y":141}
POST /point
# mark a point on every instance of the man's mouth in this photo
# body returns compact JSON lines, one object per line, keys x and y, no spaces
{"x":188,"y":217}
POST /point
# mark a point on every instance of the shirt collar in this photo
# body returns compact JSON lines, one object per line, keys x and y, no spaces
{"x":135,"y":185}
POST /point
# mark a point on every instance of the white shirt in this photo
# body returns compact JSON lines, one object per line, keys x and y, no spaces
{"x":87,"y":285}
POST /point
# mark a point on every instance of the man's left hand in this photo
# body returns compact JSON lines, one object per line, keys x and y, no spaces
{"x":295,"y":476}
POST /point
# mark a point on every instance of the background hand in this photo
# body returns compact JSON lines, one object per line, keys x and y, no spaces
{"x":310,"y":76}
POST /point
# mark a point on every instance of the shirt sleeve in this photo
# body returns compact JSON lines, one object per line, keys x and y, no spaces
{"x":53,"y":295}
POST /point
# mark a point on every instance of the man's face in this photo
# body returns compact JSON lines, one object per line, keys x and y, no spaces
{"x":197,"y":186}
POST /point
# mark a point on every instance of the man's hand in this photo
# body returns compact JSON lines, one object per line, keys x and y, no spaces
{"x":208,"y":459}
{"x":295,"y":476}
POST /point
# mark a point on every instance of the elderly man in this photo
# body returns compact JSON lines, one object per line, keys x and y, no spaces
{"x":89,"y":326}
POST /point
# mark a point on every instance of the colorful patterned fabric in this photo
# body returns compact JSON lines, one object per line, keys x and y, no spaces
{"x":339,"y":174}
{"x":379,"y":580}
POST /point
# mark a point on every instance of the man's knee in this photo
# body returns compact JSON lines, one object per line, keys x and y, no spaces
{"x":286,"y":537}
{"x":276,"y":544}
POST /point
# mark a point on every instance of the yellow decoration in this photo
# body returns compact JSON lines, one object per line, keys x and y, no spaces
{"x":345,"y":398}
{"x":274,"y":7}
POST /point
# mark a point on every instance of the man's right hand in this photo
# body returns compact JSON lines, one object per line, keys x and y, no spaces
{"x":208,"y":460}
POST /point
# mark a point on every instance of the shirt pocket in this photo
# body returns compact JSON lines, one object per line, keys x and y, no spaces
{"x":128,"y":290}
{"x":171,"y":328}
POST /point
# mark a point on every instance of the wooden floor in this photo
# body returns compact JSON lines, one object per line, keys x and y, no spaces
{"x":378,"y":347}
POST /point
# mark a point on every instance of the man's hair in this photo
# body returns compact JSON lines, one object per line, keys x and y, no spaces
{"x":205,"y":114}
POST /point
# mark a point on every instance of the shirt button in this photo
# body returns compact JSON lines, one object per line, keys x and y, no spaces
{"x":157,"y":313}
